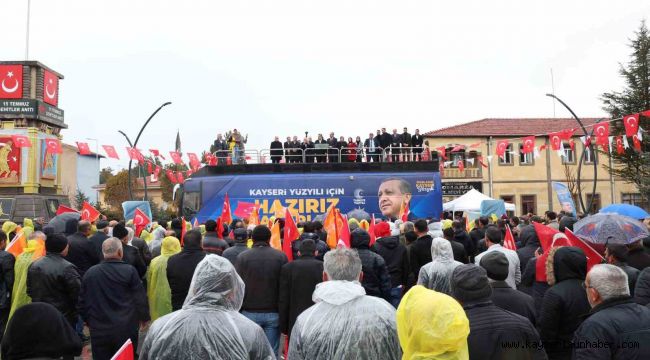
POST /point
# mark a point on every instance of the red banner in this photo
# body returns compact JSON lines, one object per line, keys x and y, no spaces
{"x":11,"y":81}
{"x":53,"y":146}
{"x":83,"y":148}
{"x":631,"y":123}
{"x":110,"y":151}
{"x":50,"y":88}
{"x":21,"y":141}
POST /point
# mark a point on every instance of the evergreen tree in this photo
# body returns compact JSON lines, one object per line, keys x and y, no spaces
{"x":633,"y":166}
{"x":79,"y":199}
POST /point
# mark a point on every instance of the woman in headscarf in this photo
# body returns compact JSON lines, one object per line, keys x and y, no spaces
{"x":39,"y":331}
{"x":431,"y":325}
{"x":158,"y":290}
{"x":156,"y":243}
{"x":209,"y":326}
{"x":436,"y":275}
{"x":35,"y":250}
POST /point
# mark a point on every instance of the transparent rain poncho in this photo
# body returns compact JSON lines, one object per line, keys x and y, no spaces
{"x":436,"y":275}
{"x":209,"y":325}
{"x":345,"y":324}
{"x":158,"y":291}
{"x":432,"y":325}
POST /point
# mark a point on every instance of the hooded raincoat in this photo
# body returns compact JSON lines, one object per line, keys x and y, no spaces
{"x":158,"y":291}
{"x":209,"y":325}
{"x":155,"y":244}
{"x":32,"y":252}
{"x":345,"y":324}
{"x":436,"y":275}
{"x":432,"y":325}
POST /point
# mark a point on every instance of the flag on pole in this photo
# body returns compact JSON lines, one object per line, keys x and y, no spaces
{"x":64,"y":209}
{"x":330,"y":226}
{"x":89,"y":213}
{"x":183,"y":229}
{"x":344,"y":230}
{"x":593,"y":257}
{"x":509,"y":240}
{"x":17,"y":244}
{"x":290,"y":234}
{"x":254,"y":218}
{"x":371,"y":230}
{"x":226,"y":213}
{"x":276,"y":242}
{"x":140,"y":220}
{"x":125,"y":352}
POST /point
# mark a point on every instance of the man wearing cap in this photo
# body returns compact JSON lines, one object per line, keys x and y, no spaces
{"x":53,"y":280}
{"x":98,"y":238}
{"x":81,"y":251}
{"x":503,"y":296}
{"x":494,"y":333}
{"x":238,"y":247}
{"x":493,"y":238}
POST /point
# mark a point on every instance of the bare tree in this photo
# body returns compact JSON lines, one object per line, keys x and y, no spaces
{"x":572,"y":183}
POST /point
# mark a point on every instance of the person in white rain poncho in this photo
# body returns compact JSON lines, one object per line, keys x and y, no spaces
{"x":436,"y":275}
{"x":209,"y":325}
{"x":344,"y":323}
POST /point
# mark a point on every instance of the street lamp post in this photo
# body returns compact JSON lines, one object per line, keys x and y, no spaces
{"x":582,"y":158}
{"x":134,"y":144}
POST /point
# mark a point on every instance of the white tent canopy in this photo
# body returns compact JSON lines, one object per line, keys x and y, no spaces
{"x":471,"y":201}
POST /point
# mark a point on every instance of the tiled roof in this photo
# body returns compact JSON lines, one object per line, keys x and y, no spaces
{"x":511,"y":127}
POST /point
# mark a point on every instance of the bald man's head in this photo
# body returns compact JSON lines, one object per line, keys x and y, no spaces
{"x":112,"y":249}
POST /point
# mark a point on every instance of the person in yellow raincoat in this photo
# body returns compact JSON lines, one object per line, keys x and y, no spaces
{"x":35,"y":250}
{"x":432,"y":325}
{"x":158,"y":290}
{"x":28,"y":227}
{"x":9,"y":228}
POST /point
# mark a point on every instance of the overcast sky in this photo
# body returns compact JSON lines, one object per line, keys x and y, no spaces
{"x":285,"y":67}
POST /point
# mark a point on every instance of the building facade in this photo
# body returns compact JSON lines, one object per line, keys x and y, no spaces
{"x":525,"y":179}
{"x":79,"y":172}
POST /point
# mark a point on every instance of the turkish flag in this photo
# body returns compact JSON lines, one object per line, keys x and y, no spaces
{"x":171,"y":176}
{"x":545,"y":235}
{"x":556,"y":140}
{"x":21,"y":141}
{"x":110,"y":151}
{"x":135,"y":154}
{"x":620,"y":149}
{"x":154,"y":152}
{"x":529,"y":144}
{"x":371,"y":230}
{"x":458,"y":148}
{"x":64,"y":209}
{"x":140,"y":220}
{"x":83,"y":148}
{"x":176,"y":157}
{"x":194,"y":160}
{"x":156,"y":171}
{"x":179,"y":177}
{"x":226,"y":213}
{"x":631,"y":123}
{"x":593,"y":257}
{"x":212,"y":160}
{"x":344,"y":230}
{"x":461,"y":165}
{"x":11,"y":81}
{"x":53,"y":146}
{"x":244,"y":209}
{"x":125,"y":352}
{"x":441,"y":152}
{"x":50,"y":88}
{"x":509,"y":240}
{"x":637,"y":142}
{"x":502,"y":146}
{"x":89,"y":213}
{"x":290,"y":234}
{"x":601,"y":130}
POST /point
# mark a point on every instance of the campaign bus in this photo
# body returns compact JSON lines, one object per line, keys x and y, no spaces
{"x":310,"y":194}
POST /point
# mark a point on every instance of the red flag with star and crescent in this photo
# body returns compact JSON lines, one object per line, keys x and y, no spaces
{"x":291,"y":233}
{"x":135,"y":154}
{"x":110,"y":151}
{"x":528,"y":144}
{"x":21,"y":141}
{"x":179,"y":177}
{"x":636,"y":142}
{"x":502,"y":146}
{"x":53,"y":146}
{"x":140,"y":220}
{"x":171,"y":176}
{"x":556,"y":140}
{"x":50,"y":88}
{"x":226,"y":213}
{"x":509,"y":240}
{"x":195,"y":163}
{"x":176,"y":157}
{"x":620,"y":149}
{"x":83,"y":147}
{"x":11,"y":81}
{"x":601,"y":131}
{"x":89,"y":213}
{"x":65,"y":209}
{"x":631,"y":123}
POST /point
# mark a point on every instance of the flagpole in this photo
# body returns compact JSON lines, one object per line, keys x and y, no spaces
{"x":29,"y":6}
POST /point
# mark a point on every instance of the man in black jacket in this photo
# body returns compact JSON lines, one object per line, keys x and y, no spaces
{"x":372,"y":147}
{"x":376,"y":279}
{"x":385,"y":141}
{"x":287,"y":152}
{"x":54,"y":280}
{"x":614,"y":319}
{"x":298,"y":279}
{"x":7,"y":262}
{"x":496,"y":265}
{"x":98,"y":238}
{"x":130,"y":254}
{"x":420,"y":250}
{"x":396,"y":257}
{"x":461,"y":236}
{"x":395,"y":145}
{"x":113,"y":302}
{"x":238,"y":247}
{"x":637,"y":256}
{"x":260,"y":268}
{"x":494,"y":333}
{"x":276,"y":150}
{"x":309,"y":232}
{"x":332,"y":152}
{"x":406,"y":145}
{"x":459,"y":250}
{"x":180,"y":267}
{"x":140,"y":244}
{"x":81,"y":251}
{"x":213,"y":243}
{"x":565,"y":303}
{"x":416,"y":142}
{"x":478,"y":232}
{"x":616,"y":254}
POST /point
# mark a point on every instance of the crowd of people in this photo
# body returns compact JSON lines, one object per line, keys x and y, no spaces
{"x":231,"y":146}
{"x":419,"y":289}
{"x":375,"y":148}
